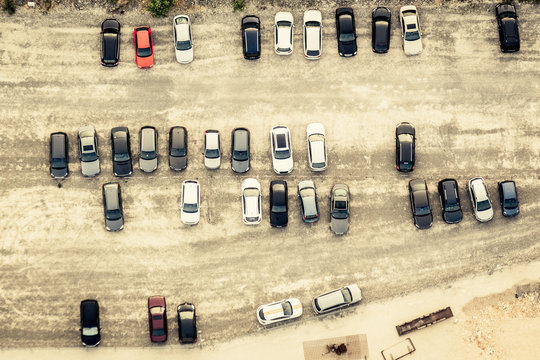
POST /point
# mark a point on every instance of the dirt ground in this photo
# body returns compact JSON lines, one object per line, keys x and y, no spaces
{"x":475,"y":111}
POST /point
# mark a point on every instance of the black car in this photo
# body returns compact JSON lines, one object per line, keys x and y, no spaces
{"x":279,"y":206}
{"x":121,"y":151}
{"x":187,"y":323}
{"x":112,"y":207}
{"x":507,"y":21}
{"x":178,"y":148}
{"x":58,"y":156}
{"x":110,"y":42}
{"x":421,"y":209}
{"x":90,"y":330}
{"x":451,"y":206}
{"x":240,"y":151}
{"x":508,"y":198}
{"x":251,"y":37}
{"x":381,"y":19}
{"x":405,"y":144}
{"x":346,"y":32}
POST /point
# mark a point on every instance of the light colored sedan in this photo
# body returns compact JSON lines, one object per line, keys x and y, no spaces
{"x":308,"y":201}
{"x":312,"y":34}
{"x":339,"y":209}
{"x":183,"y":43}
{"x":251,"y":202}
{"x":88,"y":151}
{"x":279,"y":311}
{"x":316,"y":146}
{"x":282,"y":154}
{"x":481,"y":204}
{"x":191,"y":202}
{"x":410,"y":30}
{"x":283,"y":33}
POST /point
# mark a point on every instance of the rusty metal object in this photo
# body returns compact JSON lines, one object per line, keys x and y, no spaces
{"x":424,"y":321}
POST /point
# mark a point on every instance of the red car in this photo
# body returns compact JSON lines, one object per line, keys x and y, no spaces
{"x":157,"y":318}
{"x":144,"y":47}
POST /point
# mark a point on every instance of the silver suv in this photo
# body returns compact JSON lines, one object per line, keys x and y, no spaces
{"x":148,"y":159}
{"x":88,"y":151}
{"x":212,"y":149}
{"x":481,"y":204}
{"x":112,"y":204}
{"x":337,"y":299}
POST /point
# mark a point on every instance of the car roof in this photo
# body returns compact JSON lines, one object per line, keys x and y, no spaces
{"x":346,"y":23}
{"x":58,"y":144}
{"x":211,"y":139}
{"x":182,"y":32}
{"x":178,"y":136}
{"x":90,"y":310}
{"x":240,"y":139}
{"x":111,"y":196}
{"x":143,"y":38}
{"x":509,"y":188}
{"x":148,"y":138}
{"x":190,"y":191}
{"x":330,"y":299}
{"x":479,"y":188}
{"x":278,"y":191}
{"x":420,"y":198}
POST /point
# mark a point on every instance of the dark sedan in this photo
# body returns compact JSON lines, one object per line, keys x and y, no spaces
{"x":507,"y":21}
{"x":508,"y":198}
{"x":90,"y":329}
{"x":346,"y":32}
{"x":451,"y":206}
{"x":381,"y":19}
{"x":405,"y":144}
{"x":279,"y":207}
{"x":121,"y":151}
{"x":178,"y":148}
{"x":251,"y":37}
{"x":240,"y":150}
{"x":421,"y":209}
{"x":58,"y":155}
{"x":187,"y":323}
{"x":110,"y":42}
{"x":157,"y":318}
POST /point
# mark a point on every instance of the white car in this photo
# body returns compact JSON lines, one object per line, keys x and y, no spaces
{"x":191,"y":202}
{"x":337,"y":299}
{"x":283,"y":33}
{"x":88,"y":151}
{"x":312,"y":34}
{"x":183,"y":44}
{"x":410,"y":30}
{"x":212,"y":149}
{"x":279,"y":311}
{"x":282,"y":154}
{"x":481,"y":204}
{"x":251,"y":202}
{"x":316,"y":146}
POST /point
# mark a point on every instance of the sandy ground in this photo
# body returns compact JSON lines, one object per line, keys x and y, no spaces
{"x":475,"y":111}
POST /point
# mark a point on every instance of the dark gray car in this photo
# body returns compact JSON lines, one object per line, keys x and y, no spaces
{"x":148,"y":145}
{"x":420,"y":206}
{"x":121,"y":151}
{"x":308,"y":201}
{"x":112,"y":205}
{"x":240,"y":151}
{"x":178,"y":148}
{"x":339,"y":209}
{"x":59,"y":155}
{"x":509,"y":198}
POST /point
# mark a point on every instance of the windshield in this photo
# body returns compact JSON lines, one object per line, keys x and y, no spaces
{"x":144,"y":52}
{"x":483,"y":205}
{"x":452,"y":207}
{"x":89,"y":156}
{"x":148,"y":155}
{"x":158,"y":332}
{"x":121,"y":157}
{"x":278,"y":209}
{"x":178,"y":152}
{"x":421,"y":211}
{"x":312,"y":23}
{"x":114,"y":214}
{"x":90,"y":331}
{"x":191,"y":208}
{"x":183,"y":45}
{"x":58,"y":163}
{"x":510,"y":203}
{"x":240,"y":155}
{"x":212,"y":153}
{"x":412,"y":36}
{"x":346,"y":37}
{"x":282,"y":154}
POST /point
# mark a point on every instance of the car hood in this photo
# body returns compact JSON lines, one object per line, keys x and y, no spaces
{"x":91,"y":340}
{"x":356,"y":293}
{"x":339,"y":226}
{"x":510,"y":212}
{"x":212,"y":163}
{"x":190,"y":218}
{"x":347,"y":49}
{"x":283,"y":166}
{"x":90,"y":168}
{"x":122,"y":169}
{"x":240,"y":166}
{"x":279,"y":219}
{"x":59,"y":173}
{"x":148,"y":165}
{"x":453,"y":216}
{"x":114,"y":225}
{"x":423,"y":221}
{"x":413,"y":47}
{"x":485,"y":215}
{"x":145,"y":62}
{"x":178,"y":162}
{"x":184,"y":56}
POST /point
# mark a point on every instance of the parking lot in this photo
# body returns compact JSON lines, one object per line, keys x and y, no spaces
{"x":475,"y":111}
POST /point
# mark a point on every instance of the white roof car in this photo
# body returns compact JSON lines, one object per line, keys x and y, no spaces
{"x":337,"y":299}
{"x":316,"y":146}
{"x":88,"y":151}
{"x":481,"y":204}
{"x":312,"y":34}
{"x":410,"y":30}
{"x":251,"y":202}
{"x":212,"y":149}
{"x":190,"y":203}
{"x":279,"y":311}
{"x":283,"y":33}
{"x":282,"y":155}
{"x":183,"y":44}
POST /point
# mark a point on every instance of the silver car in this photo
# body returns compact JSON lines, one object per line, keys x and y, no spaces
{"x":148,"y":159}
{"x":191,"y":202}
{"x":212,"y":149}
{"x":308,"y":201}
{"x":339,"y":209}
{"x":88,"y":151}
{"x":316,"y":141}
{"x":337,"y":299}
{"x":251,"y":202}
{"x":283,"y":33}
{"x":312,"y":34}
{"x":282,"y":154}
{"x":112,"y":205}
{"x":481,"y":204}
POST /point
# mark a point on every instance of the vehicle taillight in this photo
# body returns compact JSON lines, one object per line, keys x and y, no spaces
{"x":305,"y":217}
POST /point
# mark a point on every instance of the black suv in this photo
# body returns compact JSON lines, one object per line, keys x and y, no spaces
{"x":58,"y":157}
{"x":121,"y":151}
{"x":508,"y":27}
{"x":240,"y":150}
{"x":451,"y":207}
{"x":178,"y":148}
{"x":90,"y":330}
{"x":421,"y":209}
{"x":110,"y":42}
{"x":279,"y":206}
{"x":187,"y":323}
{"x":508,"y":198}
{"x":346,"y":32}
{"x":251,"y":37}
{"x":405,"y":144}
